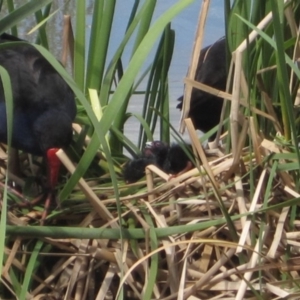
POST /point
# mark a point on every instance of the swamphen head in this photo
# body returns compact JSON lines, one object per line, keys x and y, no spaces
{"x":205,"y":108}
{"x":44,"y":105}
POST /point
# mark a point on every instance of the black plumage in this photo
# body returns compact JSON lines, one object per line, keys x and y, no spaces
{"x":177,"y":160}
{"x":171,"y":159}
{"x":158,"y":151}
{"x":44,"y":105}
{"x":205,"y":108}
{"x":135,"y":169}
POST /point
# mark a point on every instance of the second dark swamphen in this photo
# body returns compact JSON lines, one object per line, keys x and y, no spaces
{"x":205,"y":108}
{"x":44,"y":105}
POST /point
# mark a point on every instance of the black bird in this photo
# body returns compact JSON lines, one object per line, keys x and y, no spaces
{"x":177,"y":161}
{"x":171,"y":159}
{"x":135,"y":169}
{"x":205,"y":108}
{"x":44,"y":105}
{"x":158,"y":150}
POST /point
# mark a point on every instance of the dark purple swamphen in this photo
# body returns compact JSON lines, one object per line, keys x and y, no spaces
{"x":205,"y":108}
{"x":44,"y":105}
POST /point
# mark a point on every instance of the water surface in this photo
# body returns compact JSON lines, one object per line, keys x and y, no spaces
{"x":184,"y":25}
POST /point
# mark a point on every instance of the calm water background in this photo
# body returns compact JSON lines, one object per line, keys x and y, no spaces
{"x":184,"y":25}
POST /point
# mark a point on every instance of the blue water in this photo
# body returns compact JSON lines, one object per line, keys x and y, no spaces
{"x":184,"y":25}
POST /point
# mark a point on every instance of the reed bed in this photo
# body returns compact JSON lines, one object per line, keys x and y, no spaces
{"x":227,"y":229}
{"x":195,"y":236}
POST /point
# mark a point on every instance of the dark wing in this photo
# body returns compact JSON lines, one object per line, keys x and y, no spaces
{"x":205,"y":109}
{"x":44,"y":105}
{"x":35,"y":82}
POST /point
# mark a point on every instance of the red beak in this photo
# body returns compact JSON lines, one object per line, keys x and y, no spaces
{"x":53,"y":167}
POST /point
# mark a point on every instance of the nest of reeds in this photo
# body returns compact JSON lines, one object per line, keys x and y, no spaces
{"x":206,"y":233}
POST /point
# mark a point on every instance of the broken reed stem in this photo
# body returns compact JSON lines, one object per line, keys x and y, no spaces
{"x":194,"y":63}
{"x":88,"y":192}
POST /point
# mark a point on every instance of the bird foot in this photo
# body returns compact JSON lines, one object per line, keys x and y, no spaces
{"x":47,"y":197}
{"x":48,"y":201}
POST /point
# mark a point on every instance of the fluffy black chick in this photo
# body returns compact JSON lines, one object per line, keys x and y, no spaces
{"x":171,"y":159}
{"x":151,"y":155}
{"x":177,"y":161}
